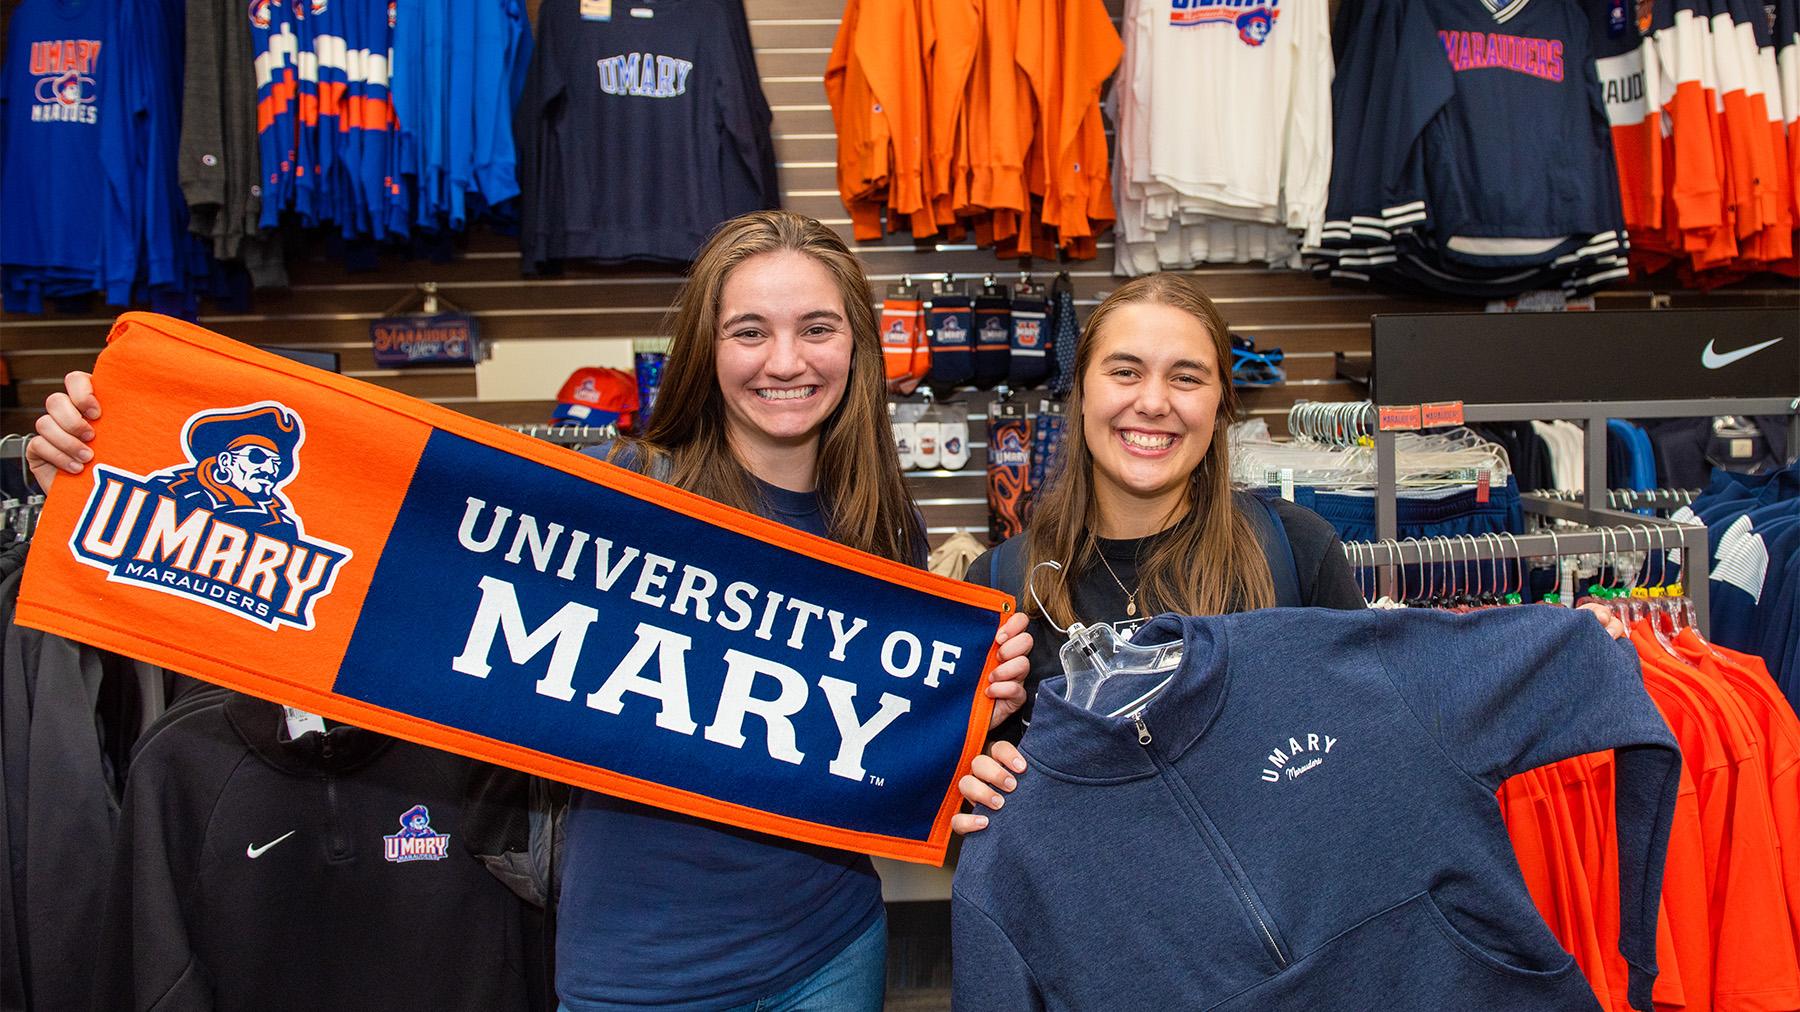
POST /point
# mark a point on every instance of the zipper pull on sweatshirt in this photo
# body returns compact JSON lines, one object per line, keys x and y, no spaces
{"x":1143,"y":731}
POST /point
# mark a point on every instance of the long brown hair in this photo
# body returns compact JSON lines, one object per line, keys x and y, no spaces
{"x":864,"y":498}
{"x":1210,"y":561}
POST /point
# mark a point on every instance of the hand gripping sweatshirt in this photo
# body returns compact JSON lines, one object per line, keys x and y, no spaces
{"x":1305,"y":818}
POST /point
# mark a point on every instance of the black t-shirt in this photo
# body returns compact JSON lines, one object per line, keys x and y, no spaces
{"x":639,"y":134}
{"x":1101,"y":596}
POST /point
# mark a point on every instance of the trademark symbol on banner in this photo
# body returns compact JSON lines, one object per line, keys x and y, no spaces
{"x":877,"y":781}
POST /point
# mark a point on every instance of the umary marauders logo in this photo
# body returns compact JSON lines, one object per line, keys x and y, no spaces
{"x":216,"y":529}
{"x":416,"y":841}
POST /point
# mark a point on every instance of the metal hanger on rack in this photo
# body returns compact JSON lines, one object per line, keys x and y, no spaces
{"x":1467,"y":571}
{"x":574,"y":436}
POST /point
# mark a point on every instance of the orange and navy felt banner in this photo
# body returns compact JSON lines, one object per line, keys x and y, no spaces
{"x":337,"y":547}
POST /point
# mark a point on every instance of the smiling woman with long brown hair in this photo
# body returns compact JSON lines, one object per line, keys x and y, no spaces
{"x":1140,"y":514}
{"x":730,"y":416}
{"x":773,"y":401}
{"x":1151,"y":458}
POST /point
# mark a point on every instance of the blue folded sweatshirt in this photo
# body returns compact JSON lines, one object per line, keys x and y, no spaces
{"x":1304,"y":817}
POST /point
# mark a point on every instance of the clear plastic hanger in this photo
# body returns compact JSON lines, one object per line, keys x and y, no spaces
{"x":1094,"y":654}
{"x":1333,"y":448}
{"x":1665,"y":609}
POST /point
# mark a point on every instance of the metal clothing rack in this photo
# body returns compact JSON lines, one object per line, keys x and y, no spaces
{"x":1631,"y":498}
{"x":1605,"y":532}
{"x":1591,"y":416}
{"x":570,"y":435}
{"x":19,"y":517}
{"x":1584,"y":368}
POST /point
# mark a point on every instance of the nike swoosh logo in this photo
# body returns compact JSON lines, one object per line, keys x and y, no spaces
{"x":253,"y":851}
{"x":1713,"y":360}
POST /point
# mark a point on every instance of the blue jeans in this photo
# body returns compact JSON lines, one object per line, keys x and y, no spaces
{"x":855,"y":980}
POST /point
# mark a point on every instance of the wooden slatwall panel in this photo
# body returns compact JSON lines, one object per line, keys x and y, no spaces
{"x":329,"y":308}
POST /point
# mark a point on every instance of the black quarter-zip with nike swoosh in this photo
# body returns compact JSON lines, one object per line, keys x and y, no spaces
{"x":261,"y":872}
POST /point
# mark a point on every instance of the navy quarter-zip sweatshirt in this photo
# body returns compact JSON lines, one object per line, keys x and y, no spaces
{"x":1304,"y":818}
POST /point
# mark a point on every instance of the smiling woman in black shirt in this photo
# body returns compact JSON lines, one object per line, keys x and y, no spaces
{"x":1141,"y":515}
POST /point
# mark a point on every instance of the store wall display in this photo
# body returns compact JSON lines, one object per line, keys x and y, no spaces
{"x":1008,"y":468}
{"x":1431,"y":189}
{"x":960,"y":118}
{"x":1715,"y":189}
{"x":330,"y":306}
{"x":89,"y":188}
{"x":1198,"y":70}
{"x":52,"y":107}
{"x":640,"y":130}
{"x":221,"y":154}
{"x":379,"y":119}
{"x":592,"y":396}
{"x":442,"y":339}
{"x":905,"y":350}
{"x":1030,"y":360}
{"x":648,"y":365}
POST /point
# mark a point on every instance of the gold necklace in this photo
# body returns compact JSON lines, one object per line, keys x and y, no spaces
{"x":1130,"y":595}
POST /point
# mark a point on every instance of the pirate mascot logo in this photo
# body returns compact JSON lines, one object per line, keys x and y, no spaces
{"x":217,"y":529}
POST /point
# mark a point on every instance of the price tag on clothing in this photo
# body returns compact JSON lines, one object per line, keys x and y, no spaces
{"x":1437,"y":416}
{"x":1482,"y":485}
{"x":1403,"y":418}
{"x":299,"y":722}
{"x":1287,"y":483}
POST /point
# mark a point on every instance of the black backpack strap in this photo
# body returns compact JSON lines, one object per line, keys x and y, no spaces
{"x":1271,"y":533}
{"x":1006,"y":568}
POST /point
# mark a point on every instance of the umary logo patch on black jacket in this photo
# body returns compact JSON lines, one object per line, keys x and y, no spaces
{"x":416,"y":841}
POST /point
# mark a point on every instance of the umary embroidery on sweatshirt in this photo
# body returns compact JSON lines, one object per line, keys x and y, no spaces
{"x":1297,"y":756}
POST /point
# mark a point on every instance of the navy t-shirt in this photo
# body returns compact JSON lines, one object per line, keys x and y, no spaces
{"x":669,"y":910}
